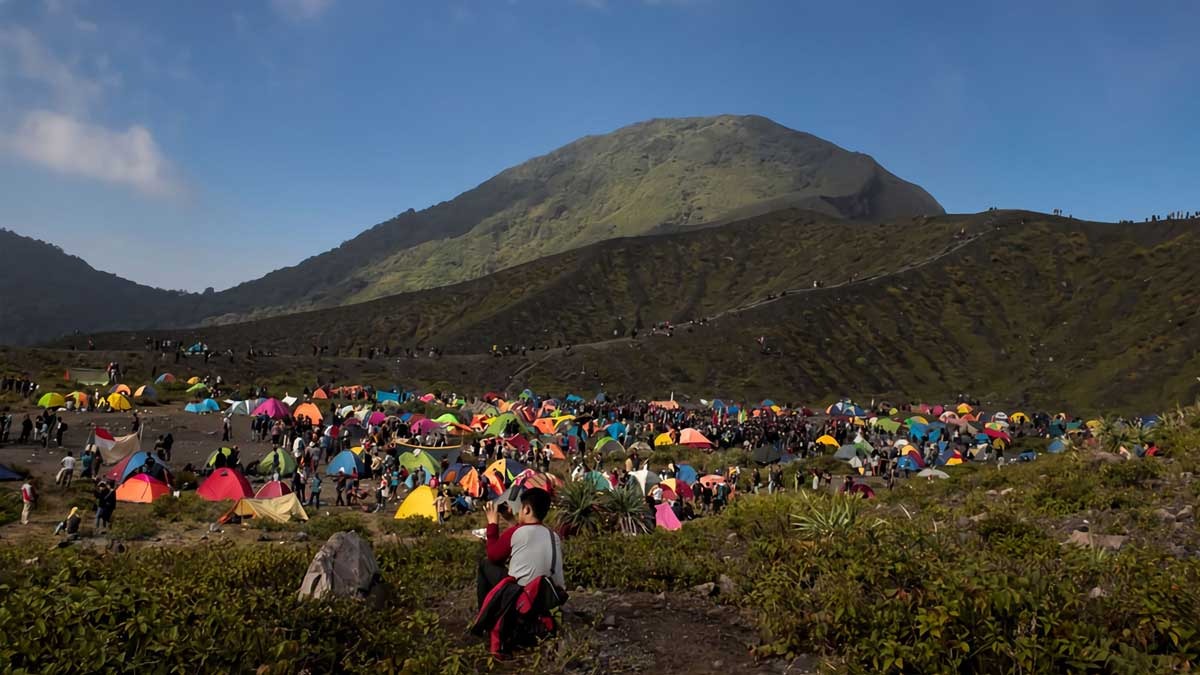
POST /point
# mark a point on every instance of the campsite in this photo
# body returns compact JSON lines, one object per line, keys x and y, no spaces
{"x":1087,"y":515}
{"x":586,"y":337}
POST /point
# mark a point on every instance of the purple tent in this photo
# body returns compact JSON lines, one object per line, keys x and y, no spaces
{"x":273,"y":408}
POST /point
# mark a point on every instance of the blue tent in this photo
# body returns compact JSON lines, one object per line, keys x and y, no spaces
{"x":136,"y":460}
{"x":934,"y":435}
{"x":918,"y":431}
{"x":348,"y":461}
{"x":1056,"y":446}
{"x":458,"y":469}
{"x":686,"y":473}
{"x":194,"y":408}
{"x":573,"y":398}
{"x":1148,"y":420}
{"x":616,"y":429}
{"x":718,"y":404}
{"x":382,"y":396}
{"x":1027,"y":456}
{"x":162,"y":378}
{"x":196,"y":348}
{"x":767,"y":403}
{"x":601,"y":397}
{"x":907,"y":463}
{"x":206,"y":406}
{"x":8,"y":474}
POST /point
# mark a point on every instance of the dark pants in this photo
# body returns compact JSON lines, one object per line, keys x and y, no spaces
{"x":487,"y":577}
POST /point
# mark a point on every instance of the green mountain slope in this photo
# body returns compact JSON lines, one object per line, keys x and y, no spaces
{"x":629,"y":182}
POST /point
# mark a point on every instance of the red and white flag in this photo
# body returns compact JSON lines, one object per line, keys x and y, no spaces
{"x":115,"y":448}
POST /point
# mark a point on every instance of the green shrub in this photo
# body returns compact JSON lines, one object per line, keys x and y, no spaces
{"x":410,"y":527}
{"x":188,"y":508}
{"x":321,"y":527}
{"x":1133,"y":473}
{"x":134,"y":523}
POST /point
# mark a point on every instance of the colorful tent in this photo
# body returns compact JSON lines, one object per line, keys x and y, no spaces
{"x":272,"y":408}
{"x":212,"y":458}
{"x":348,"y":462}
{"x":310,"y":411}
{"x":678,"y":488}
{"x":147,"y":392}
{"x":505,"y":469}
{"x":279,"y":509}
{"x":224,"y":484}
{"x":418,"y":504}
{"x":272,"y":489}
{"x":645,"y":478}
{"x":165,"y":378}
{"x":142,"y":489}
{"x":277,"y":460}
{"x":608,"y":444}
{"x":81,"y":399}
{"x":119,"y":402}
{"x":52,"y":400}
{"x":598,"y":481}
{"x":413,"y":460}
{"x":130,"y":464}
{"x":120,"y":389}
{"x":686,"y":473}
{"x":319,"y":394}
{"x":665,"y":518}
{"x":694,"y":439}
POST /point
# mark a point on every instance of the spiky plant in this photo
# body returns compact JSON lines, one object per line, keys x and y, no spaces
{"x":626,"y":508}
{"x":1113,"y":434}
{"x":578,"y":509}
{"x":829,"y":517}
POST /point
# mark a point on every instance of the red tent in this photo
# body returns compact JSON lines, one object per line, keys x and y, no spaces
{"x":271,"y":489}
{"x":694,"y":439}
{"x":224,"y":484}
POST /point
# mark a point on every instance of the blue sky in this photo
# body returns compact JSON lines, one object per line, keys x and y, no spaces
{"x":193,"y":144}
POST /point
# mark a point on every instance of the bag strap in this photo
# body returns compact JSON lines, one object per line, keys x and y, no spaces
{"x":553,"y":552}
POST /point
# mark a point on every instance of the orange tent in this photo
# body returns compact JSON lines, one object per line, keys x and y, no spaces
{"x":555,"y":452}
{"x":121,"y":389}
{"x":694,"y":439}
{"x":545,"y":425}
{"x":319,"y":394}
{"x":308,"y":410}
{"x":470,"y":482}
{"x":141,"y":489}
{"x":666,"y":405}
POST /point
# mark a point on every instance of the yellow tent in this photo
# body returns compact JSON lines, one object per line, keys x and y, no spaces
{"x":963,"y":409}
{"x":920,"y":419}
{"x":954,"y":461}
{"x":276,"y":509}
{"x":119,"y":402}
{"x":828,"y":440}
{"x":663,"y":439}
{"x":1093,"y":424}
{"x":1018,"y":418}
{"x":52,"y":400}
{"x":358,"y":449}
{"x":418,"y":504}
{"x":193,"y":380}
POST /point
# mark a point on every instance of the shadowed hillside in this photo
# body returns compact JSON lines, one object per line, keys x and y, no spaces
{"x":1053,"y":311}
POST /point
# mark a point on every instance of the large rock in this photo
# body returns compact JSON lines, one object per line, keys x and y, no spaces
{"x":1111,"y":542}
{"x":344,"y":567}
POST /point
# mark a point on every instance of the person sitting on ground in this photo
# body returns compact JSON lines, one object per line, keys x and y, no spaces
{"x":515,"y":601}
{"x":70,"y":524}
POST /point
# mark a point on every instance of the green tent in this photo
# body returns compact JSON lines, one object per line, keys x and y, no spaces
{"x":277,"y":457}
{"x":598,"y":481}
{"x":609,"y":444}
{"x":212,"y":459}
{"x":448,"y":418}
{"x":198,"y":387}
{"x":499,"y":423}
{"x":412,"y":460}
{"x":889,"y":425}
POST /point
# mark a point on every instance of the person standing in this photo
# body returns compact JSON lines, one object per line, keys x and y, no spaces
{"x":226,"y":429}
{"x":67,"y":472}
{"x":59,"y":432}
{"x":106,"y":503}
{"x":26,"y":430}
{"x":28,"y":500}
{"x":314,"y":490}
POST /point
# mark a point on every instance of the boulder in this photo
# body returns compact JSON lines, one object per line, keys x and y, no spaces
{"x":1184,"y":514}
{"x":1165,"y":515}
{"x":344,"y":567}
{"x":705,"y":589}
{"x":727,"y":587}
{"x":1111,"y":542}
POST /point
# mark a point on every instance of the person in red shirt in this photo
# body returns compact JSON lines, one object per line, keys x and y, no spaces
{"x":525,"y":551}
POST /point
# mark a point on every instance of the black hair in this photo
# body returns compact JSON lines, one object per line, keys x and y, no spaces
{"x":538,"y":500}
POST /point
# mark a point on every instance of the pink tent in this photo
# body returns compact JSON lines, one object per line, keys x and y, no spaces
{"x":425,"y":426}
{"x":427,"y":398}
{"x":271,"y":489}
{"x":376,"y":418}
{"x":665,"y":517}
{"x":273,"y":408}
{"x":694,"y":439}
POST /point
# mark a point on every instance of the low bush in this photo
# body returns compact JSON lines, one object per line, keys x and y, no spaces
{"x":322,"y":527}
{"x":188,"y":508}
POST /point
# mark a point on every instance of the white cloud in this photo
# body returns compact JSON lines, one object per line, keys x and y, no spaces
{"x":71,"y":146}
{"x":299,"y":10}
{"x":35,"y":63}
